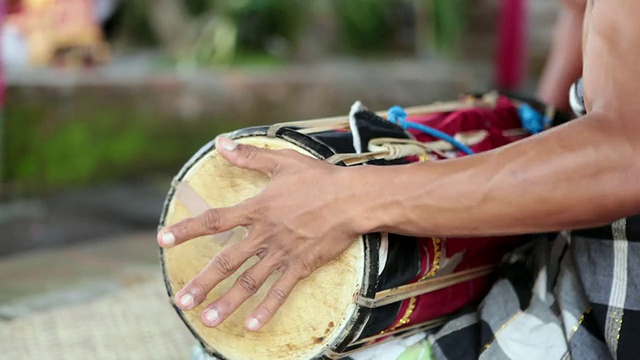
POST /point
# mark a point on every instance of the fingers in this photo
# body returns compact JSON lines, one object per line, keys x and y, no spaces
{"x":278,"y":294}
{"x":223,"y":265}
{"x":247,"y":156}
{"x":246,"y":285}
{"x":212,"y":221}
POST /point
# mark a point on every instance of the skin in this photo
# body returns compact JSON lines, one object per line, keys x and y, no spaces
{"x":584,"y":173}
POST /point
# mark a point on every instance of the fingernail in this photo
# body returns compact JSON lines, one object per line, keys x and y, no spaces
{"x":168,"y":239}
{"x":186,"y":300}
{"x":211,"y":315}
{"x":228,"y":144}
{"x":253,"y":324}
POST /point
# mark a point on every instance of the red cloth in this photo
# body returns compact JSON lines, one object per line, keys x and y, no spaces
{"x":477,"y":251}
{"x":495,"y":120}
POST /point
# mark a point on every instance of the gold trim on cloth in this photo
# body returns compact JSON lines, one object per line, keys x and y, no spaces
{"x":502,"y":327}
{"x":577,"y":326}
{"x":437,"y":255}
{"x":405,"y":318}
{"x":574,"y":330}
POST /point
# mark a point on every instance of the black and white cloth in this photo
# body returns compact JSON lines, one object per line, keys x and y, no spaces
{"x":573,"y":296}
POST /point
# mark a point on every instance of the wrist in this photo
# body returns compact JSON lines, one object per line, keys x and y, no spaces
{"x":375,"y":196}
{"x":360,"y":188}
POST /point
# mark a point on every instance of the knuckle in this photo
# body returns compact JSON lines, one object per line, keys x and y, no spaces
{"x":278,"y":294}
{"x":304,"y":268}
{"x":253,"y":208}
{"x":197,"y":287}
{"x":248,"y":283}
{"x":262,"y":252}
{"x":251,"y":152}
{"x":212,"y":220}
{"x":268,"y":309}
{"x":222,"y":263}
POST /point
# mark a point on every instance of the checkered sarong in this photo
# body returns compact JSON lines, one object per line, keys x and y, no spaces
{"x":576,"y":296}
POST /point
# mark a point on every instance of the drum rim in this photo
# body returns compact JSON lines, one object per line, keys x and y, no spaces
{"x":356,"y":324}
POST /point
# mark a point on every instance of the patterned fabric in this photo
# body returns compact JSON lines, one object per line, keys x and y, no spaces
{"x":576,"y":296}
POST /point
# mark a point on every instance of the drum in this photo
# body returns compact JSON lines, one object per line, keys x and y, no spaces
{"x":384,"y":285}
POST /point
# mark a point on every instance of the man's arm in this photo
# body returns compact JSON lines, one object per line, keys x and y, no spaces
{"x":581,"y":174}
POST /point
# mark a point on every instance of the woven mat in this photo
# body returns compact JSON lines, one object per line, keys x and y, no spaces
{"x":137,"y":323}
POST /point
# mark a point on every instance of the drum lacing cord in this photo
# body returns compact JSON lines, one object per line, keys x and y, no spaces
{"x":383,"y":149}
{"x":393,"y":148}
{"x":342,"y":122}
{"x":397,"y":115}
{"x":397,"y":148}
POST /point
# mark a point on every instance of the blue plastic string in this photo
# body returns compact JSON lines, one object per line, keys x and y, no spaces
{"x":532,"y":121}
{"x":397,"y":115}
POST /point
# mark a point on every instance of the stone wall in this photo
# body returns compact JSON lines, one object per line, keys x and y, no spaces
{"x":69,"y":129}
{"x":136,"y":115}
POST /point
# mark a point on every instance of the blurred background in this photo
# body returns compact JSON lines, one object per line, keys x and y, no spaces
{"x":104,"y":100}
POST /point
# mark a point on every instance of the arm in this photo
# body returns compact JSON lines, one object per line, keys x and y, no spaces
{"x":581,"y":174}
{"x":584,"y":173}
{"x":564,"y":64}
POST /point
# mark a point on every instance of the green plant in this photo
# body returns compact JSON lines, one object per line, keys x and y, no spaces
{"x":54,"y":145}
{"x":365,"y":25}
{"x":448,"y":22}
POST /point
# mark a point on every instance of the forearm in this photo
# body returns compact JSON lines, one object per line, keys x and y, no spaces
{"x":578,"y":175}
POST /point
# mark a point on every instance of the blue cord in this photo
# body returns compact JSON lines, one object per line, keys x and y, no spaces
{"x":532,"y":121}
{"x":397,"y":115}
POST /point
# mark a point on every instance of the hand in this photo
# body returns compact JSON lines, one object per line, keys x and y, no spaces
{"x":300,"y":221}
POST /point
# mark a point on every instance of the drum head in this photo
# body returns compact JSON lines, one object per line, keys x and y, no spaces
{"x":318,"y":311}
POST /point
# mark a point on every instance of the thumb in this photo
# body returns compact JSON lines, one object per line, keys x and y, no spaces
{"x":247,"y":156}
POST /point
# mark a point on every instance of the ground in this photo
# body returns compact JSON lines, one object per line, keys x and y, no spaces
{"x":92,"y":288}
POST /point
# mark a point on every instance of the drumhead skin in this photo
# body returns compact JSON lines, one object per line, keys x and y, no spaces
{"x":319,"y":314}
